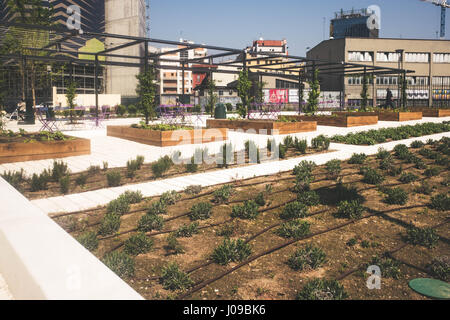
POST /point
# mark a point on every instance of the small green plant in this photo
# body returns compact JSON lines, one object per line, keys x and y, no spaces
{"x":113,"y":178}
{"x":440,"y":268}
{"x":390,"y":268}
{"x":333,"y":168}
{"x":173,"y":245}
{"x":293,"y":229}
{"x":120,"y":263}
{"x":119,"y":206}
{"x":191,"y":166}
{"x":172,"y":278}
{"x":308,"y":258}
{"x":300,"y":145}
{"x":417,"y":144}
{"x":226,"y":155}
{"x":350,"y":209}
{"x":231,"y":251}
{"x":424,"y":188}
{"x":308,"y":198}
{"x":383,"y":154}
{"x":426,"y":237}
{"x":322,"y":289}
{"x":59,"y":170}
{"x":252,"y":151}
{"x":161,"y":166}
{"x":109,"y":224}
{"x":88,"y":240}
{"x":150,"y":222}
{"x":105,"y":165}
{"x":138,"y":244}
{"x":157,"y":207}
{"x":81,"y":180}
{"x":294,"y":210}
{"x":260,"y":199}
{"x":321,"y":143}
{"x":432,"y":172}
{"x":223,"y":194}
{"x":64,"y":184}
{"x":365,"y":244}
{"x":408,"y":177}
{"x":131,"y":197}
{"x":193,"y":189}
{"x":170,"y":197}
{"x":93,"y":170}
{"x":187,"y":230}
{"x":39,"y":182}
{"x":357,"y":158}
{"x":402,"y":152}
{"x":288,"y":142}
{"x":351,"y":242}
{"x":226,"y":231}
{"x":282,"y":149}
{"x":14,"y":178}
{"x":249,"y":210}
{"x":395,"y":196}
{"x":440,"y":202}
{"x":372,"y":176}
{"x":200,"y":211}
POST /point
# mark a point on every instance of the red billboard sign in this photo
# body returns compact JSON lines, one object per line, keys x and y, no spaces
{"x":278,"y":96}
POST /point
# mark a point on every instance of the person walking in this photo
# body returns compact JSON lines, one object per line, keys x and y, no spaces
{"x":389,"y":103}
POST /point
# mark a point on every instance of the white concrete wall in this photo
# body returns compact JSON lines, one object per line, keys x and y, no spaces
{"x":39,"y":260}
{"x":88,"y":100}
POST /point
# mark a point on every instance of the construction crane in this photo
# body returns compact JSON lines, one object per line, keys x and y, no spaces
{"x":444,"y":5}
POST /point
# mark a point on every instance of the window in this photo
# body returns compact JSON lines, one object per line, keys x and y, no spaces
{"x":220,"y":92}
{"x":417,"y":57}
{"x":387,"y":80}
{"x":441,"y":58}
{"x":360,"y":56}
{"x":388,"y":56}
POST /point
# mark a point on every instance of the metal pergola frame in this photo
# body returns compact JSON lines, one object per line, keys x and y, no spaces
{"x":301,"y":69}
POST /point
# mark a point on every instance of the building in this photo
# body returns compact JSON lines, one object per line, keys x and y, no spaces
{"x":428,"y":84}
{"x":171,"y":80}
{"x":352,"y":24}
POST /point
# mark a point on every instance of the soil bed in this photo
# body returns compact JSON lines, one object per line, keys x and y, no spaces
{"x":264,"y":126}
{"x":344,"y":120}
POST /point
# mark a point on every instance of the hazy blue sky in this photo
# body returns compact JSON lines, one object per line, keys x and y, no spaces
{"x":235,"y":23}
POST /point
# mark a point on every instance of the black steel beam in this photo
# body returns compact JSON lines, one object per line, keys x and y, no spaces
{"x":122,"y":46}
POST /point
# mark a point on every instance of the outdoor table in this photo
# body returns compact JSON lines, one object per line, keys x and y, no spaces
{"x":47,"y":119}
{"x":268,"y":111}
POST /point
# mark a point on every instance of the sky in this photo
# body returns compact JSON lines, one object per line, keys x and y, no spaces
{"x":236,"y":23}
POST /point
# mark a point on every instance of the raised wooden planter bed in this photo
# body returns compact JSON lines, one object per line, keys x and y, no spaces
{"x":434,"y":112}
{"x":264,"y":126}
{"x":344,"y":120}
{"x":167,"y":138}
{"x":399,"y":116}
{"x":39,"y":150}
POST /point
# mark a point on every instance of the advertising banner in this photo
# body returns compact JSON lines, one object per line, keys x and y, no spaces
{"x":278,"y":96}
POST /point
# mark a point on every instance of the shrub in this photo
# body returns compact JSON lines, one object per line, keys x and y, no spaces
{"x":132,"y":167}
{"x":173,"y":245}
{"x":308,"y":198}
{"x":418,"y":163}
{"x":282,"y":149}
{"x":121,"y":110}
{"x":172,"y":278}
{"x":293,"y":229}
{"x":300,"y":145}
{"x":371,"y":176}
{"x":200,"y":211}
{"x":440,"y":268}
{"x":231,"y":251}
{"x":401,"y":151}
{"x":14,"y":178}
{"x":226,"y":155}
{"x":170,"y":197}
{"x":288,"y":142}
{"x":59,"y":170}
{"x":294,"y":210}
{"x":424,"y":188}
{"x":39,"y":182}
{"x":383,"y":154}
{"x":308,"y":258}
{"x":333,"y":168}
{"x":249,"y":210}
{"x":161,"y":166}
{"x":93,"y":170}
{"x":395,"y":196}
{"x":192,"y":166}
{"x":440,"y":202}
{"x":350,"y":209}
{"x":351,"y":242}
{"x":138,"y":244}
{"x":64,"y":184}
{"x":193,"y":190}
{"x":187,"y":230}
{"x":394,"y":171}
{"x":260,"y":200}
{"x":157,"y":207}
{"x":223,"y":194}
{"x":389,"y":268}
{"x":321,"y":142}
{"x":426,"y":237}
{"x":417,"y":144}
{"x":132,"y":197}
{"x":88,"y":240}
{"x":120,"y":263}
{"x":304,"y":166}
{"x":150,"y":222}
{"x":105,"y":165}
{"x":432,"y":172}
{"x":408,"y":177}
{"x":81,"y":180}
{"x":113,"y":178}
{"x":252,"y":151}
{"x":357,"y":158}
{"x":119,"y":206}
{"x":109,"y":224}
{"x":226,"y":231}
{"x":322,"y":289}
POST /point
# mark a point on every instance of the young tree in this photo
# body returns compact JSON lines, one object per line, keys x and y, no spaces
{"x":364,"y":93}
{"x":313,"y":98}
{"x":71,"y":94}
{"x":146,"y":90}
{"x":244,"y":87}
{"x":212,"y":96}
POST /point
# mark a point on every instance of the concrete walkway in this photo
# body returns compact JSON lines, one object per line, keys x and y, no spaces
{"x":118,"y":151}
{"x":92,"y":199}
